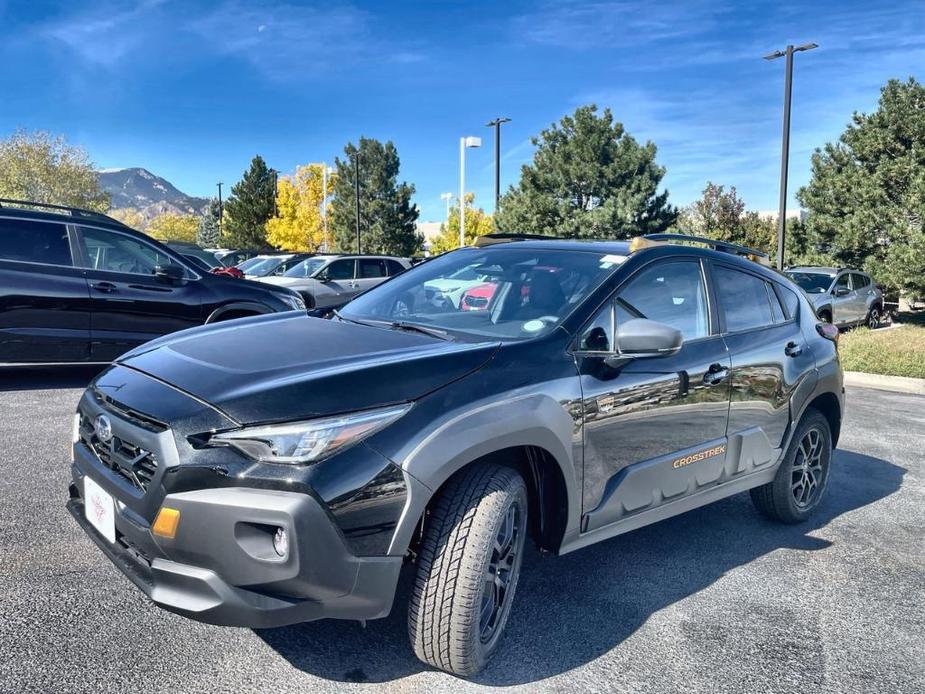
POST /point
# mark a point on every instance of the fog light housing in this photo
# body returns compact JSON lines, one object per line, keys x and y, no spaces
{"x":281,"y":542}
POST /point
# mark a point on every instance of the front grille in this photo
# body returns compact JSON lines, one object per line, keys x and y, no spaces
{"x":128,"y":459}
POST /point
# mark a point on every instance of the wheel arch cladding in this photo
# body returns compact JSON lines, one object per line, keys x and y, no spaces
{"x":828,"y":404}
{"x":532,"y":434}
{"x":237,"y":309}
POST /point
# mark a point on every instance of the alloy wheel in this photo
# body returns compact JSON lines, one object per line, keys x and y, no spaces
{"x":873,"y":319}
{"x":501,"y":573}
{"x":807,"y":473}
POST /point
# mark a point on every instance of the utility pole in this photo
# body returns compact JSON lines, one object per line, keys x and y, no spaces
{"x":496,"y":124}
{"x":275,"y":174}
{"x":221,"y":212}
{"x":446,"y":197}
{"x":324,"y":200}
{"x":356,"y":180}
{"x":785,"y":144}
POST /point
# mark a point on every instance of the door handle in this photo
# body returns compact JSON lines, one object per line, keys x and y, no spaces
{"x":793,"y":349}
{"x":716,"y":373}
{"x":105,"y":287}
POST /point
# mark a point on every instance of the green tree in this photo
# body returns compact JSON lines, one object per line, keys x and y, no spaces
{"x":721,"y":214}
{"x":588,"y":179}
{"x":387,"y":216}
{"x":866,"y":197}
{"x":477,"y":224}
{"x":208,"y":234}
{"x":171,"y":226}
{"x":249,"y":207}
{"x":41,"y":167}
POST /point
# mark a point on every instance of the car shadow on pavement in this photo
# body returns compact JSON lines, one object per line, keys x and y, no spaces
{"x":570,"y":610}
{"x":47,"y":378}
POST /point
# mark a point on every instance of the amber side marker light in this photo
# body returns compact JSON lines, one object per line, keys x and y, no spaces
{"x":165,"y":525}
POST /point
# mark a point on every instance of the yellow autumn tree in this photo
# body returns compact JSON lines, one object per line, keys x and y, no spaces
{"x":298,"y":224}
{"x":129,"y":216}
{"x":171,"y":226}
{"x":477,"y":224}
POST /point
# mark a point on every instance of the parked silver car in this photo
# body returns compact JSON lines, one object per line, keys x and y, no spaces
{"x":841,"y":296}
{"x":332,"y":280}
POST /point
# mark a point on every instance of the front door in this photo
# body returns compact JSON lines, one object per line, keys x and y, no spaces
{"x":843,"y":298}
{"x":129,"y":304}
{"x":44,"y":303}
{"x":336,"y":283}
{"x":654,"y":428}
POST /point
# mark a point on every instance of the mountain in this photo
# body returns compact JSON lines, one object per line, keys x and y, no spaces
{"x":149,"y":194}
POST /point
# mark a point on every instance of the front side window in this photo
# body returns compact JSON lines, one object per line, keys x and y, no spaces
{"x":504,"y":292}
{"x":34,"y":242}
{"x":306,"y":268}
{"x":744,"y":299}
{"x":106,"y":250}
{"x":670,"y":293}
{"x":842,"y":283}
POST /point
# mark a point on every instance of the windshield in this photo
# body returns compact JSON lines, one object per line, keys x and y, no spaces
{"x":306,"y":268}
{"x":266,"y":266}
{"x":509,"y":293}
{"x":250,"y":262}
{"x":811,"y":282}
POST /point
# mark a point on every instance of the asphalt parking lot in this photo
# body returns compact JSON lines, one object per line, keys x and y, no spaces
{"x":717,"y":600}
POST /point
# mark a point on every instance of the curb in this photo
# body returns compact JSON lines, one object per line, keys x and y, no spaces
{"x":897,"y":384}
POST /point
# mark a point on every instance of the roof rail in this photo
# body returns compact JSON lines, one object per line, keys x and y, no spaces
{"x":504,"y":237}
{"x":73,"y":211}
{"x":721,"y":246}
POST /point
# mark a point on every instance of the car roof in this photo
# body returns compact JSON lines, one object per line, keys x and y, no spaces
{"x":819,"y":270}
{"x":88,"y":218}
{"x":592,"y":246}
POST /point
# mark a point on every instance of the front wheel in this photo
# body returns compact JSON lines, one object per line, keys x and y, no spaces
{"x":803,"y":474}
{"x":469,"y":564}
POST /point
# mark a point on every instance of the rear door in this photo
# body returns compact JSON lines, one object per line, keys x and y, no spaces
{"x":769,"y":356}
{"x":44,"y":301}
{"x":370,"y":272}
{"x":129,"y":304}
{"x":863,"y":294}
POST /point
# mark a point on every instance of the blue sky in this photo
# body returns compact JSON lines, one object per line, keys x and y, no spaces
{"x":192,"y":90}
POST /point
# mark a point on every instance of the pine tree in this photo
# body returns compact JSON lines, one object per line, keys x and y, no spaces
{"x":387,"y":216}
{"x":250,"y":206}
{"x":588,"y":179}
{"x":209,"y":229}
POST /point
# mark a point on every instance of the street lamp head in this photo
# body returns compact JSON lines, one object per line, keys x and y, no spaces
{"x":472,"y":141}
{"x":806,"y":47}
{"x":446,"y":196}
{"x":497,"y":121}
{"x":775,"y":55}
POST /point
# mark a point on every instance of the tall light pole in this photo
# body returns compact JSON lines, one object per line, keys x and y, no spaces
{"x":356,"y":182}
{"x":221,"y":211}
{"x":785,"y":144}
{"x":464,"y":143}
{"x":446,"y":197}
{"x":496,"y":124}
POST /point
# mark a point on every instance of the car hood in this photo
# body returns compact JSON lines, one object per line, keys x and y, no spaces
{"x":282,"y":281}
{"x":287,"y":367}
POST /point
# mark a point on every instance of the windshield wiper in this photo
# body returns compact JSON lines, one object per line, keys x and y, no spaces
{"x":426,"y":330}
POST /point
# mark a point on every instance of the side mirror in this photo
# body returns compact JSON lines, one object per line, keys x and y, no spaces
{"x":841,"y":291}
{"x":641,"y":338}
{"x":170,"y":274}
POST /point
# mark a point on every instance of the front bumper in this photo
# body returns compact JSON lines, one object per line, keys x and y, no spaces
{"x":221,"y":568}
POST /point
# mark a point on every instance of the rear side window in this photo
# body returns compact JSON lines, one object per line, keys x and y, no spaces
{"x":372,"y":267}
{"x":394,"y":267}
{"x":34,"y":242}
{"x":791,"y":301}
{"x":860,"y":281}
{"x":744,"y":298}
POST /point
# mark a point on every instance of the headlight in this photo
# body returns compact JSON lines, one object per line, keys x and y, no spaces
{"x":310,"y":441}
{"x":294,"y":301}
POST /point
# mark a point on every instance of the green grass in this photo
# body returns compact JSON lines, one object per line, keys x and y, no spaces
{"x":899,"y":351}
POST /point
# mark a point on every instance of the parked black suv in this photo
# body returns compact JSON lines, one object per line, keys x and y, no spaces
{"x":287,"y":472}
{"x":78,"y":286}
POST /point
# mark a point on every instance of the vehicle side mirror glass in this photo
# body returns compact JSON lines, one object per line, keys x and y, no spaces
{"x":170,"y":274}
{"x":641,"y":338}
{"x":841,"y":291}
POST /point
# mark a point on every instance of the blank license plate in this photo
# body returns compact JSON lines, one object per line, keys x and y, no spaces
{"x":99,"y":509}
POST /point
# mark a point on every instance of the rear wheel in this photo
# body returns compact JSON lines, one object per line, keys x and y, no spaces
{"x":803,"y":474}
{"x":825,"y":316}
{"x":469,"y":565}
{"x":874,"y":318}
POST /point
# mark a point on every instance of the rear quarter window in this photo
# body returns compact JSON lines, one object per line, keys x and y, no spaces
{"x":29,"y":241}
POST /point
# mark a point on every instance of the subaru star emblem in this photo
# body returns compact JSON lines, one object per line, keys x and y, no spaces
{"x":103,"y":428}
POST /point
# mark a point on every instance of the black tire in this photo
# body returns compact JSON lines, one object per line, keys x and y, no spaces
{"x":873,"y":318}
{"x":825,"y":316}
{"x":803,"y":476}
{"x":454,"y":621}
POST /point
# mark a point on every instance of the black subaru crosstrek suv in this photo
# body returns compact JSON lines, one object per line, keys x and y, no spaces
{"x":286,"y":472}
{"x":80,"y":287}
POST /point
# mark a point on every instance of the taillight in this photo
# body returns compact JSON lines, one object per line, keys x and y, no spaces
{"x":828,"y":331}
